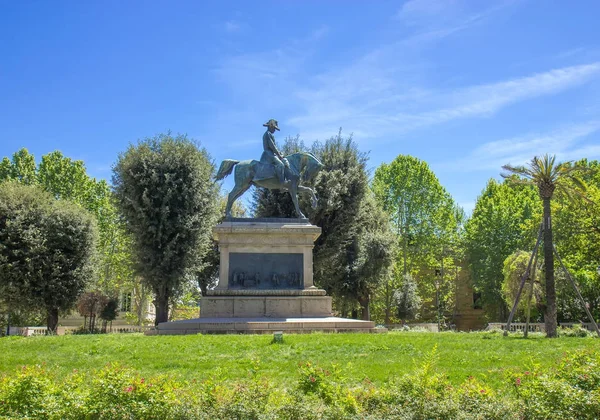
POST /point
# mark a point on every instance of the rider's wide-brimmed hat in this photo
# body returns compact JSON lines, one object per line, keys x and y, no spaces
{"x":271,"y":123}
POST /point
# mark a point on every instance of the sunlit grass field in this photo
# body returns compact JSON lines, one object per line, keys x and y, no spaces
{"x":378,"y":357}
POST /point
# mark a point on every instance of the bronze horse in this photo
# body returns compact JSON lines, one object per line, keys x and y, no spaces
{"x":302,"y":165}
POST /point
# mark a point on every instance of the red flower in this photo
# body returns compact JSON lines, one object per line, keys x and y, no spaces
{"x":518,"y":381}
{"x":312,"y":379}
{"x":142,"y":380}
{"x":527,"y":373}
{"x":129,"y":389}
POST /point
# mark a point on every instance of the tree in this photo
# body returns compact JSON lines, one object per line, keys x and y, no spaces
{"x":504,"y":220}
{"x":421,"y":210}
{"x":67,"y":179}
{"x":407,"y":299}
{"x":576,"y":234}
{"x":548,"y":176}
{"x":46,"y":250}
{"x":20,"y":168}
{"x":89,"y":306}
{"x":515,"y":266}
{"x":369,"y":255}
{"x":427,"y":224}
{"x":164,"y":190}
{"x":109,"y":312}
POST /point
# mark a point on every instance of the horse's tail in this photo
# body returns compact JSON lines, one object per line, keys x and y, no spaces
{"x":226,"y":168}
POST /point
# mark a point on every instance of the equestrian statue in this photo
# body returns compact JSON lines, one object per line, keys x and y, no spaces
{"x":274,"y":171}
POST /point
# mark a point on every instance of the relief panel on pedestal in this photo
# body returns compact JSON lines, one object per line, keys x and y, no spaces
{"x":266,"y":270}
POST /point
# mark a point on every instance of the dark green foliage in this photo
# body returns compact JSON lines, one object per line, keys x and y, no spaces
{"x":165,"y":191}
{"x":46,"y":250}
{"x":407,"y":299}
{"x":67,"y":179}
{"x":355,"y":250}
{"x":110,"y":312}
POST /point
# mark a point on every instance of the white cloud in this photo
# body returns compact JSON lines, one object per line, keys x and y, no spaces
{"x":382,"y":93}
{"x":365,"y":99}
{"x":488,"y":99}
{"x":437,"y":19}
{"x":567,"y":143}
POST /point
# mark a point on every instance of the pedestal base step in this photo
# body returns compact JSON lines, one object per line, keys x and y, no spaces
{"x":265,"y":306}
{"x":263,"y":326}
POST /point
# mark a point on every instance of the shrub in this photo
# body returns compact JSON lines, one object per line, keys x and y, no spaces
{"x":576,"y":330}
{"x":569,"y":390}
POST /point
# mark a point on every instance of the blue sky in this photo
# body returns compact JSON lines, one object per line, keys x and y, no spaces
{"x":465,"y":85}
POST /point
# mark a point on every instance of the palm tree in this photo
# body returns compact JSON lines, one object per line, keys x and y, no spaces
{"x":548,"y":176}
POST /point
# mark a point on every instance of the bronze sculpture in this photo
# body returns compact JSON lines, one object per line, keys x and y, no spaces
{"x":274,"y":171}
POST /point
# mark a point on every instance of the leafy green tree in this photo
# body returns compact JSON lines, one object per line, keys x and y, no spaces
{"x":406,"y":298}
{"x":548,"y":176}
{"x":67,"y":179}
{"x":515,"y":266}
{"x":109,"y":312}
{"x":577,"y":238}
{"x":20,"y":168}
{"x":369,"y":255}
{"x":421,"y":210}
{"x":504,"y":220}
{"x":165,"y":192}
{"x":353,"y":255}
{"x":428,"y":226}
{"x":46,"y":250}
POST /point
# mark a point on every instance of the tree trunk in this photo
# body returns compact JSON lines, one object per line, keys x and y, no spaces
{"x":550,"y":313}
{"x":162,"y":307}
{"x":364,"y":305}
{"x":388,"y":302}
{"x":52,"y":320}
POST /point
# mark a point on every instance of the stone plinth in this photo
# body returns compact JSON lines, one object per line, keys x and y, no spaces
{"x":265,"y":283}
{"x":264,"y":326}
{"x":281,"y":247}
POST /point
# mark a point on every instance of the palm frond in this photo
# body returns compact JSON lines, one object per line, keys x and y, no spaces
{"x":516,"y":170}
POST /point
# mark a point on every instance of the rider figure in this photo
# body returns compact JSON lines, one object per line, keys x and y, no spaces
{"x":271,"y":154}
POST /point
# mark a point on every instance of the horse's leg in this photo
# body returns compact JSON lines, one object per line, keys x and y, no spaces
{"x":313,"y":196}
{"x":242,"y":183}
{"x":294,"y":193}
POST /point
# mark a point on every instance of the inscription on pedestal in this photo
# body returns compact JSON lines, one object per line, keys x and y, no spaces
{"x":265,"y":271}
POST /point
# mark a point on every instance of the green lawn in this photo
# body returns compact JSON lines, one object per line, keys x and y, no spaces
{"x":376,"y":356}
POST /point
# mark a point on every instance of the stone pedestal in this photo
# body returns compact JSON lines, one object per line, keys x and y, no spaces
{"x":265,"y":282}
{"x":266,"y":270}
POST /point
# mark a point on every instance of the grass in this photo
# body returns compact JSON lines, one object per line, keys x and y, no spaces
{"x":379,"y":357}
